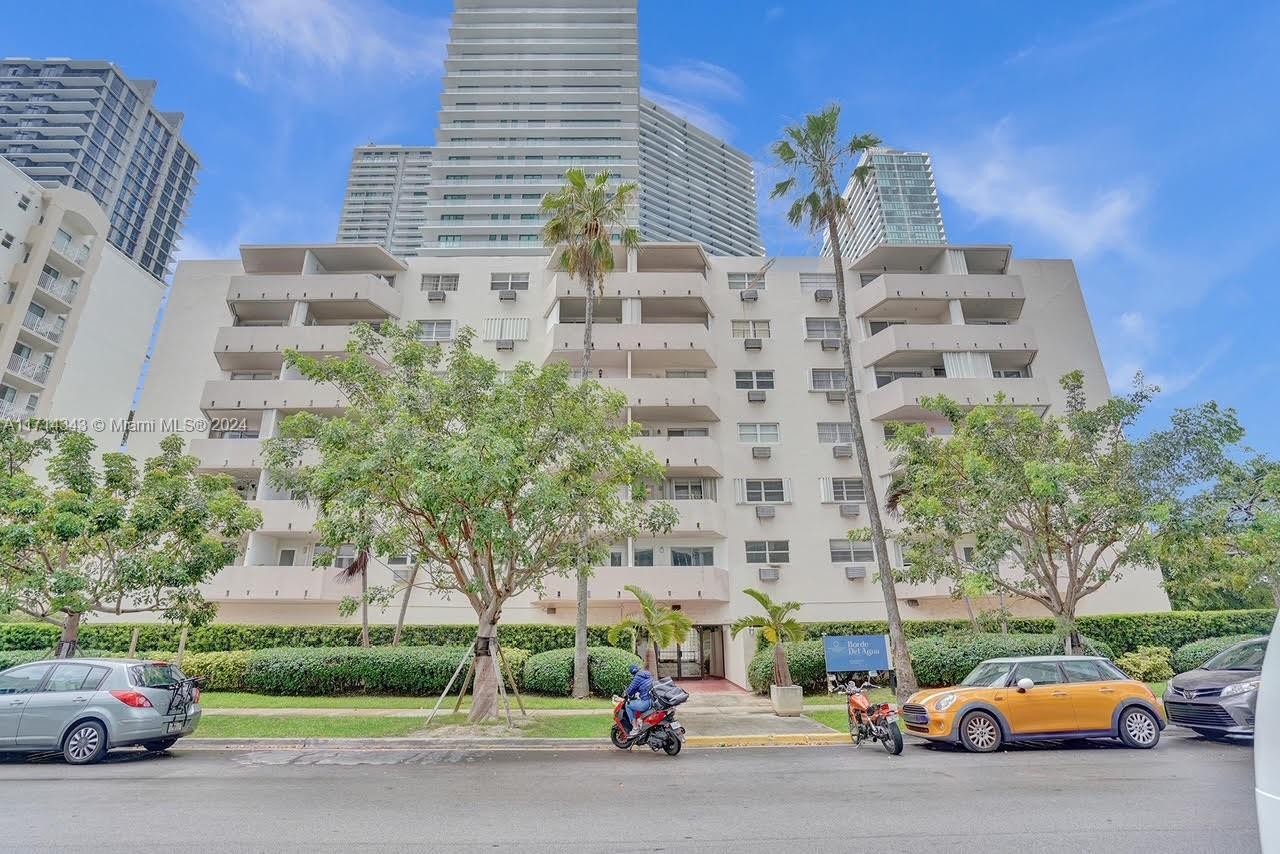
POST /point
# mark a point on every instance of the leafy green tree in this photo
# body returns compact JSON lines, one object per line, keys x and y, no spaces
{"x":1222,"y":548}
{"x":489,"y":478}
{"x":582,"y":216}
{"x":111,"y":539}
{"x":818,"y":159}
{"x":656,"y":625}
{"x":778,"y":624}
{"x":1053,"y":508}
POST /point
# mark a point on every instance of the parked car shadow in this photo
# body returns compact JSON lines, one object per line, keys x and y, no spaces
{"x":114,"y":757}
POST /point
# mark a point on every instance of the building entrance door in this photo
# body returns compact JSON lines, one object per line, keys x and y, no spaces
{"x":699,"y":653}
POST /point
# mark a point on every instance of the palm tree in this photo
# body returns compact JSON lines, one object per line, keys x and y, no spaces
{"x":359,"y":568}
{"x":777,"y":624}
{"x":657,"y":624}
{"x":815,"y":158}
{"x":582,"y":218}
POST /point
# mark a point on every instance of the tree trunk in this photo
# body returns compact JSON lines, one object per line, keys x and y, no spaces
{"x":484,"y":688}
{"x":651,"y":659}
{"x":1275,"y":590}
{"x":364,"y":608}
{"x":781,"y":669}
{"x":404,"y":605}
{"x":973,"y":618}
{"x":70,"y":639}
{"x":905,"y":674}
{"x":581,"y":683}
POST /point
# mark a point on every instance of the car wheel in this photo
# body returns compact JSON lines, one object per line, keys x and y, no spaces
{"x":160,"y":745}
{"x":980,"y":732}
{"x":1139,"y":728}
{"x":85,"y":744}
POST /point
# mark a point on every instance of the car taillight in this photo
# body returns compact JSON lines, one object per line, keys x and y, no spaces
{"x":132,"y":698}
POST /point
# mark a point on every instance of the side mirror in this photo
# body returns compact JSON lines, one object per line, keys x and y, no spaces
{"x":1024,"y":683}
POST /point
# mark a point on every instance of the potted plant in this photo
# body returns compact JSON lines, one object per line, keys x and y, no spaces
{"x":777,"y":624}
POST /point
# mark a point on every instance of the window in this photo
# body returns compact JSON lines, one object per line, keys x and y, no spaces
{"x":509,"y":282}
{"x":24,"y":680}
{"x":816,"y":328}
{"x":758,"y":490}
{"x":687,"y":489}
{"x":6,"y":240}
{"x":344,"y":556}
{"x":449,"y":240}
{"x":692,"y":556}
{"x":252,"y":375}
{"x":506,"y":328}
{"x":1039,"y":672}
{"x":74,"y":677}
{"x":683,"y":432}
{"x":883,"y":378}
{"x":826,"y":379}
{"x":741,"y":281}
{"x":439,"y":281}
{"x":1082,"y":671}
{"x":24,"y":202}
{"x":810,"y":282}
{"x":616,"y":555}
{"x":435,"y":330}
{"x":768,"y":551}
{"x":846,"y":489}
{"x":643,"y":557}
{"x":1020,"y":372}
{"x":847,"y":551}
{"x":287,"y":557}
{"x":835,"y":432}
{"x":881,"y":325}
{"x":686,"y":375}
{"x":758,"y":433}
{"x":753,"y":379}
{"x":750,"y":328}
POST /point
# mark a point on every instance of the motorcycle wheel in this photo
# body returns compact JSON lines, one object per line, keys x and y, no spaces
{"x":672,"y":745}
{"x":855,"y":731}
{"x":619,"y":739}
{"x":893,"y":740}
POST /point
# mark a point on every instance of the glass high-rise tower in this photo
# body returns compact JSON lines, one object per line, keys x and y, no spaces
{"x":897,"y":203}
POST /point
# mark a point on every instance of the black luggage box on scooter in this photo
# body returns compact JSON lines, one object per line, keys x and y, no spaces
{"x":668,"y":694}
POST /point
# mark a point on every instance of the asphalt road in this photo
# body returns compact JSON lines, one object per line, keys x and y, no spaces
{"x":1187,"y":795}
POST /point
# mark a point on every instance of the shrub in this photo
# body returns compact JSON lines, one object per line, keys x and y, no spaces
{"x":806,"y":660}
{"x":222,"y":671}
{"x":29,"y":636}
{"x":14,"y":657}
{"x":355,"y":670}
{"x":1147,"y":664}
{"x":551,"y":672}
{"x":1192,"y":655}
{"x":944,"y":660}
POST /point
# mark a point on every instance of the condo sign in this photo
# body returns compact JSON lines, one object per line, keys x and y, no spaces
{"x":856,"y":653}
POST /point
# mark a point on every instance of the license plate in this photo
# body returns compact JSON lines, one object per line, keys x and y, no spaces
{"x":680,"y":733}
{"x":175,"y":726}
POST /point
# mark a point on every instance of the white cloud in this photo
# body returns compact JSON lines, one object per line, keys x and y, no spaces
{"x":310,"y":46}
{"x":995,"y":179}
{"x":695,"y":78}
{"x":699,"y":114}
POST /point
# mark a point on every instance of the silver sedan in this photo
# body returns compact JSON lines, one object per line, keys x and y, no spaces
{"x":85,"y":706}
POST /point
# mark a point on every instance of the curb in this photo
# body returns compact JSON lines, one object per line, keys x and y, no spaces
{"x":693,"y":741}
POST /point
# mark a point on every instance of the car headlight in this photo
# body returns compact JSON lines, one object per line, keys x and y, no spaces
{"x":945,"y":702}
{"x":1241,"y":688}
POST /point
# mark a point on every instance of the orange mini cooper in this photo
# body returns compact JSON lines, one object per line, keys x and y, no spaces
{"x":1037,"y":699}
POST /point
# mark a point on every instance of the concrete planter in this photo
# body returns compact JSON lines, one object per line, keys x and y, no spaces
{"x":788,"y":701}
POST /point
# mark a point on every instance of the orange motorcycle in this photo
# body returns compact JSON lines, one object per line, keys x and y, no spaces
{"x":870,"y":721}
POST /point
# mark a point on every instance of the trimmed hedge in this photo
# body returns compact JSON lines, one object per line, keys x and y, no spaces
{"x":1148,"y":664}
{"x":551,"y":672}
{"x":355,"y":670}
{"x":938,"y":660}
{"x":1192,"y":655}
{"x":221,"y":671}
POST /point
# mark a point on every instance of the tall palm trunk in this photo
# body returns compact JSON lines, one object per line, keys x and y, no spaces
{"x":905,"y":674}
{"x":364,"y":607}
{"x":581,"y":683}
{"x":404,"y":604}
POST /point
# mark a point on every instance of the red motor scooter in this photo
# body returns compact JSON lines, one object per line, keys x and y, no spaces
{"x":659,"y":728}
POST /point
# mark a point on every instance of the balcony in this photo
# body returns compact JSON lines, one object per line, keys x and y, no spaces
{"x":674,"y":285}
{"x":283,"y":515}
{"x":35,"y":373}
{"x":240,"y":348}
{"x":666,"y":583}
{"x":900,"y":295}
{"x":63,"y":290}
{"x":1013,"y":346}
{"x":68,"y":256}
{"x":277,"y":584}
{"x":659,"y":398}
{"x":650,"y":345}
{"x":698,"y":519}
{"x":234,"y":454}
{"x":691,"y":456}
{"x":900,"y":399}
{"x":46,"y":330}
{"x":341,"y":296}
{"x":269,"y":394}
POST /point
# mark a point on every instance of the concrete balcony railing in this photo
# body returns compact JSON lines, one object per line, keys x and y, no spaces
{"x":692,"y":455}
{"x":698,"y":519}
{"x":36,"y":372}
{"x":891,"y":293}
{"x":237,"y":454}
{"x":64,"y":290}
{"x":247,"y":347}
{"x":652,"y":344}
{"x":666,"y":583}
{"x":658,"y":398}
{"x":284,"y":515}
{"x":291,"y":584}
{"x":269,"y":394}
{"x":903,"y":344}
{"x":673,"y":285}
{"x":360,"y":294}
{"x":900,"y":399}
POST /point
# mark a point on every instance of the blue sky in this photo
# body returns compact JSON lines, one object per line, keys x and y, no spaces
{"x":1138,"y":138}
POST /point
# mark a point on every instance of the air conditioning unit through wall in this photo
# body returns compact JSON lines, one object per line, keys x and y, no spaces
{"x":768,"y":573}
{"x":850,"y":511}
{"x":766,"y":511}
{"x":507,"y":296}
{"x":857,"y":571}
{"x":761,"y":452}
{"x":753,"y":343}
{"x":842,"y":452}
{"x":830,"y":343}
{"x":506,"y":344}
{"x":755,"y":396}
{"x":436,"y":296}
{"x":749,"y":295}
{"x":823,"y":295}
{"x":835,"y":397}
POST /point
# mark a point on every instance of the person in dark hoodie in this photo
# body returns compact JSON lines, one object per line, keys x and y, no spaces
{"x":639,"y":697}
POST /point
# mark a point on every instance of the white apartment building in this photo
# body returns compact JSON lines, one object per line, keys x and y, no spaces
{"x":77,"y":314}
{"x":896,"y":204}
{"x":739,"y":392}
{"x":531,"y":90}
{"x":85,"y":124}
{"x":386,"y":197}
